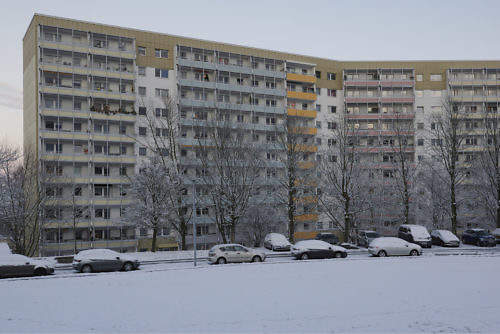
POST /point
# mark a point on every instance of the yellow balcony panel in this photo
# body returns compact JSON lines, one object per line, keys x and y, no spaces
{"x":58,"y":113}
{"x":64,"y":69}
{"x":306,"y":148}
{"x":115,"y":138}
{"x":301,"y":77}
{"x":112,"y":95}
{"x":304,"y":235}
{"x":64,"y":135}
{"x":302,"y":113}
{"x":306,"y":164}
{"x":301,"y":96}
{"x":66,"y":157}
{"x":112,"y":159}
{"x":307,"y":199}
{"x":63,"y":90}
{"x":306,"y":217}
{"x":112,"y":201}
{"x":304,"y":131}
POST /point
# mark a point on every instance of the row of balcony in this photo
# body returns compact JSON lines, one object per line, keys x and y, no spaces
{"x":86,"y":114}
{"x":232,"y":125}
{"x":231,"y":68}
{"x":95,"y":136}
{"x":84,"y":70}
{"x":88,"y":200}
{"x":379,"y":83}
{"x":232,"y":106}
{"x":475,"y":98}
{"x":376,"y":133}
{"x":104,"y":94}
{"x":232,"y":87}
{"x":69,"y":179}
{"x":380,"y":99}
{"x":376,"y":116}
{"x":80,"y":157}
{"x":68,"y":246}
{"x":87,"y":48}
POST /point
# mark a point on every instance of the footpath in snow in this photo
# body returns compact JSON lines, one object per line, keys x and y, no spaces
{"x":422,"y":294}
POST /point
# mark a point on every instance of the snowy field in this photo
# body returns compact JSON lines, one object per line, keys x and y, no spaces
{"x":428,"y":294}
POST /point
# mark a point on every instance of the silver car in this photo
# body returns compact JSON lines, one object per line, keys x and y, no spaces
{"x":389,"y":246}
{"x":226,"y":253}
{"x":95,"y":260}
{"x":16,"y":265}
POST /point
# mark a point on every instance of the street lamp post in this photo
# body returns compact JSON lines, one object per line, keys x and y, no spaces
{"x":194,"y":222}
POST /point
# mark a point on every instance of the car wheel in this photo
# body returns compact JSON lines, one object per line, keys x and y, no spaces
{"x":414,"y":252}
{"x":272,"y":248}
{"x":256,"y":258}
{"x":221,"y":260}
{"x":86,"y":269}
{"x":338,"y":255}
{"x":304,"y":256}
{"x":128,"y":266}
{"x":344,"y":255}
{"x":40,"y":272}
{"x":478,"y":243}
{"x":382,"y":253}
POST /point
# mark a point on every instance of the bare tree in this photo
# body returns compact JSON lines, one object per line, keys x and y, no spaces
{"x":296,"y":174}
{"x":403,"y":165}
{"x":229,"y":165}
{"x":487,"y":167}
{"x":343,"y":180}
{"x":446,"y":141}
{"x":150,"y":189}
{"x":260,"y":220}
{"x":163,"y":125}
{"x":22,"y":200}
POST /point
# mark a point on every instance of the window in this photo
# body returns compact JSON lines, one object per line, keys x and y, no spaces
{"x":141,"y":50}
{"x":141,"y":71}
{"x":436,"y":77}
{"x":271,"y":103}
{"x":420,"y":77}
{"x":318,"y":107}
{"x":77,"y":126}
{"x":255,"y":83}
{"x":270,"y":120}
{"x":102,"y":213}
{"x":51,"y":147}
{"x":270,"y":84}
{"x":102,"y":171}
{"x":77,"y":105}
{"x":142,"y":111}
{"x":318,"y":74}
{"x":161,"y":92}
{"x":318,"y":141}
{"x":420,"y":142}
{"x":255,"y":119}
{"x":318,"y":91}
{"x":331,"y":92}
{"x":142,"y":151}
{"x":332,"y":142}
{"x":332,"y":125}
{"x":255,"y":137}
{"x":420,"y":126}
{"x":330,"y":76}
{"x":306,"y":226}
{"x":333,"y":109}
{"x":240,"y":118}
{"x":159,"y":73}
{"x":142,"y":131}
{"x":161,"y":53}
{"x":142,"y":91}
{"x":78,"y":191}
{"x":318,"y":124}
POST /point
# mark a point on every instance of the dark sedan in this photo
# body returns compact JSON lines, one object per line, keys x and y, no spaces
{"x":16,"y":265}
{"x":317,"y":249}
{"x":328,"y":237}
{"x":479,"y":237}
{"x":95,"y":260}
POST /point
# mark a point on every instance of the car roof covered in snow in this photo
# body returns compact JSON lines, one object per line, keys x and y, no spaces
{"x":448,"y":235}
{"x":4,"y":248}
{"x":97,"y":254}
{"x":496,"y":231}
{"x":317,"y":244}
{"x":385,"y":241}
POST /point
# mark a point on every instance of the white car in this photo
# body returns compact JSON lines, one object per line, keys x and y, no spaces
{"x":389,"y":246}
{"x":496,"y":234}
{"x":444,"y":238}
{"x":317,"y":249}
{"x":277,"y":242}
{"x":226,"y":253}
{"x":16,"y":265}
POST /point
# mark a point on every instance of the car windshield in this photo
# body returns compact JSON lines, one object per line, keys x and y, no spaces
{"x":482,"y":232}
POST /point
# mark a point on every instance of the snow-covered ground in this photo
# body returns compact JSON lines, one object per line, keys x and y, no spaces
{"x":421,"y":294}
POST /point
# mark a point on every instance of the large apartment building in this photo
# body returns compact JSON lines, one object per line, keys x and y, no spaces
{"x":84,"y":90}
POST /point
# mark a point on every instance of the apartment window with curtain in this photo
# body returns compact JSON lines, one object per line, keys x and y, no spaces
{"x":161,"y":53}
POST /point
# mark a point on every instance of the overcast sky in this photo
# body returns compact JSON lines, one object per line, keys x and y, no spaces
{"x":344,"y":30}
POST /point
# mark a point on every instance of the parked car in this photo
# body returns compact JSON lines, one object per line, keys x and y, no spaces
{"x":444,"y":238}
{"x":479,"y":237}
{"x":317,"y":249}
{"x":365,"y":237}
{"x":327,"y":237}
{"x":16,"y":265}
{"x":389,"y":246}
{"x":277,"y":242}
{"x":226,"y":253}
{"x":97,"y":260}
{"x":496,"y":234}
{"x":415,"y":234}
